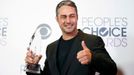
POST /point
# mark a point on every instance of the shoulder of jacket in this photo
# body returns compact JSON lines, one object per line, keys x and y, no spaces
{"x":53,"y":43}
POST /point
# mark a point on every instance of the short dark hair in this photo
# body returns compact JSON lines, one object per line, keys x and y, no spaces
{"x":66,"y":3}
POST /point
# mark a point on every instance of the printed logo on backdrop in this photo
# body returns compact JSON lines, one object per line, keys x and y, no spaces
{"x":112,"y":29}
{"x":45,"y":31}
{"x":3,"y":31}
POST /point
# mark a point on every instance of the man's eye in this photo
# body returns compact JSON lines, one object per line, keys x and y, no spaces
{"x":63,"y":17}
{"x":72,"y":16}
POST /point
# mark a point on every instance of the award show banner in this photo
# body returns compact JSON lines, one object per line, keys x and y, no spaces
{"x":19,"y":19}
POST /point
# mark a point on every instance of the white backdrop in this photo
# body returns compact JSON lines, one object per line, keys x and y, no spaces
{"x":19,"y":19}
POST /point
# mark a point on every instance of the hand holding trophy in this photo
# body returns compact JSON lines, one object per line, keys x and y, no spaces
{"x":32,"y":60}
{"x":33,"y":54}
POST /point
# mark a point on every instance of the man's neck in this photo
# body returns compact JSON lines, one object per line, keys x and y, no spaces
{"x":68,"y":36}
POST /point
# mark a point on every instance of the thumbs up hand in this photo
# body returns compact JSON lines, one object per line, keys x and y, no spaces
{"x":84,"y":56}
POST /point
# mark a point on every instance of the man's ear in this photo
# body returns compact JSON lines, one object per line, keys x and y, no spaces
{"x":56,"y":18}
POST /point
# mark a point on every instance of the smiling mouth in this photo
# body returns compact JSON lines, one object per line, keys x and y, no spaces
{"x":69,"y":26}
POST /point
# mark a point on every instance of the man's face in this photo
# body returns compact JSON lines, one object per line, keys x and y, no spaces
{"x":67,"y":19}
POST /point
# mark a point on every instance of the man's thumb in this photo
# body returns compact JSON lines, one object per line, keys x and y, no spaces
{"x":83,"y":45}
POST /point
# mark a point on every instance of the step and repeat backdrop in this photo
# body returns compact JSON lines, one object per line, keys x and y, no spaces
{"x":20,"y":19}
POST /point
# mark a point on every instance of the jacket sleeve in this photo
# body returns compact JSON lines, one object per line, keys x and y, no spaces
{"x":101,"y":60}
{"x":46,"y":70}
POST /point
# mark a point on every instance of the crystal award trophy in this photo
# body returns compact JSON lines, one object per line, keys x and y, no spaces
{"x":42,"y":32}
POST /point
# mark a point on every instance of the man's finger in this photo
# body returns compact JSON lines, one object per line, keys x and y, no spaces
{"x":29,"y":60}
{"x":37,"y":58}
{"x":84,"y":46}
{"x":81,"y":53}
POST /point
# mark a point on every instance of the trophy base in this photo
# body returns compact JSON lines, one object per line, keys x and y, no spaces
{"x":34,"y":68}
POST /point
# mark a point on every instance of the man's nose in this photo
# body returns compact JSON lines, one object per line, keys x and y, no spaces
{"x":68,"y":20}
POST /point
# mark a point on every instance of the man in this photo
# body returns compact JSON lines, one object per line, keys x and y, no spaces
{"x":75,"y":52}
